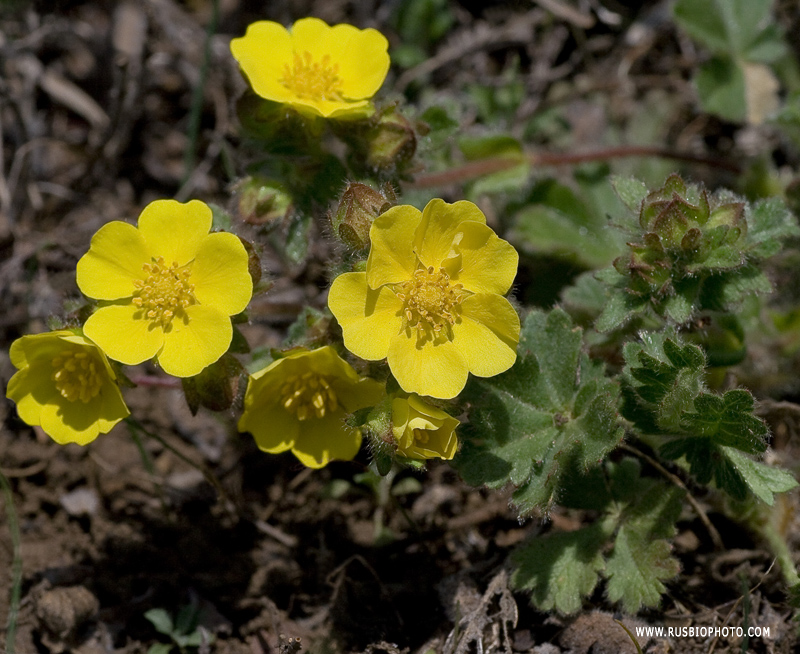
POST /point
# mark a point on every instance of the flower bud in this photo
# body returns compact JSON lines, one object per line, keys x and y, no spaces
{"x":359,"y":206}
{"x":392,"y":141}
{"x":260,"y":200}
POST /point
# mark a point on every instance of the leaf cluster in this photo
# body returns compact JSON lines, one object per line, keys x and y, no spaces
{"x":551,"y":414}
{"x":745,"y":41}
{"x":689,"y":252}
{"x":627,"y":544}
{"x":664,"y":395}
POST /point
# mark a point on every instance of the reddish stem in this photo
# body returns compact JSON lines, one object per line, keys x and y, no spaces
{"x":475,"y":169}
{"x":156,"y":382}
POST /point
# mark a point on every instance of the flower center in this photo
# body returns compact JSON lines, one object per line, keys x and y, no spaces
{"x":77,"y":375}
{"x":421,"y":436}
{"x":431,"y":301}
{"x":308,"y":396}
{"x":165,"y":292}
{"x":312,"y":80}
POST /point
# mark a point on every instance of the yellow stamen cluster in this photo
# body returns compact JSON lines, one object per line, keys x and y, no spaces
{"x":308,"y":396}
{"x":421,"y":436}
{"x":312,"y":80}
{"x":431,"y":301}
{"x":165,"y":292}
{"x":77,"y":375}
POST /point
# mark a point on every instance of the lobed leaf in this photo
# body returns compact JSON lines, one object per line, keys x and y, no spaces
{"x":552,"y":412}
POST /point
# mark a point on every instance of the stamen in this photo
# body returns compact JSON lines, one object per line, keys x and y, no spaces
{"x":312,"y":80}
{"x":431,"y":301}
{"x":165,"y":293}
{"x":76,"y":375}
{"x":308,"y":395}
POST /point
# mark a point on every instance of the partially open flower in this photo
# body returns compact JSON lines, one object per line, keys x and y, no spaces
{"x":431,"y":300}
{"x":65,"y":386}
{"x":170,"y":287}
{"x":300,"y":403}
{"x":317,"y":69}
{"x":422,"y":431}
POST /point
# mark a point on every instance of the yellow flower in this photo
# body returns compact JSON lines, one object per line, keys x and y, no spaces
{"x":317,"y":69}
{"x":300,"y":402}
{"x":422,"y":431}
{"x":171,"y":287}
{"x":431,"y":298}
{"x":65,"y":385}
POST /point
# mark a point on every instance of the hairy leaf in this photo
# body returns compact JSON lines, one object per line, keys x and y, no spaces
{"x":551,"y":413}
{"x":559,"y":569}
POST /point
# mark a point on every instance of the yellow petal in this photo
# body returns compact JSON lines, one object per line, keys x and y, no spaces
{"x":274,"y":429}
{"x":324,"y":439}
{"x":487,"y":263}
{"x":440,"y":230}
{"x":196,"y":341}
{"x":262,"y":54}
{"x":363,"y":60}
{"x":487,"y":334}
{"x":435,"y":370}
{"x":400,"y":418}
{"x":369,"y":318}
{"x":40,"y":347}
{"x":174,"y":230}
{"x":31,"y":388}
{"x":111,"y":408}
{"x":366,"y":392}
{"x":70,"y":422}
{"x":220,"y":274}
{"x":123,"y":336}
{"x":391,"y":257}
{"x":114,"y":260}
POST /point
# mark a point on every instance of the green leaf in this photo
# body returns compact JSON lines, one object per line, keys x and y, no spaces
{"x":531,"y":425}
{"x":727,"y":420}
{"x":496,"y":145}
{"x":721,"y":88}
{"x":729,"y":26}
{"x":637,"y":568}
{"x":160,"y":648}
{"x":560,"y":568}
{"x":296,"y":245}
{"x":637,"y":514}
{"x":555,"y":221}
{"x":664,"y":376}
{"x":161,"y":620}
{"x":702,"y":22}
{"x":762,"y":480}
{"x":768,"y":223}
{"x":619,"y":309}
{"x":630,"y":190}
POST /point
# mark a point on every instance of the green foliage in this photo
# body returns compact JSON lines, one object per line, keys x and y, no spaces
{"x":555,"y":220}
{"x":665,"y":395}
{"x":690,"y":252}
{"x":551,"y":414}
{"x":419,"y":23}
{"x":743,"y":37}
{"x":184,"y":632}
{"x":627,"y":544}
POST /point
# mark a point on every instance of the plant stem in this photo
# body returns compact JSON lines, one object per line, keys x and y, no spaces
{"x":475,"y":169}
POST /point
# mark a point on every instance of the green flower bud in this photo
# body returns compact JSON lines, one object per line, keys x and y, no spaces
{"x":261,"y":201}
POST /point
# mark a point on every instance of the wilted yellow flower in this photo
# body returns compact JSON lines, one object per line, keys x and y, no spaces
{"x":171,"y":287}
{"x":300,"y":402}
{"x":317,"y":69}
{"x":65,"y":385}
{"x":431,"y":298}
{"x":422,"y":431}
